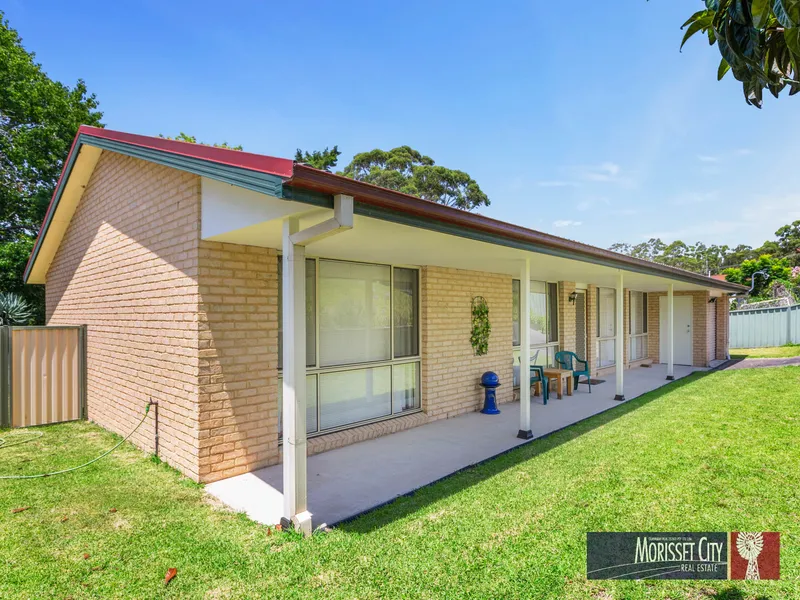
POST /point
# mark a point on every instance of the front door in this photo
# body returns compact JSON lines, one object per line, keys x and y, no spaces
{"x":580,"y":325}
{"x":682,"y":330}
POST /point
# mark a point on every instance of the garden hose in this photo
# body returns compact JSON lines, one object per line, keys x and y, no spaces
{"x":4,"y":443}
{"x":94,"y":460}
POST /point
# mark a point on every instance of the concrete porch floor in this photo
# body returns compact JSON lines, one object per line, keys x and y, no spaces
{"x":350,"y":480}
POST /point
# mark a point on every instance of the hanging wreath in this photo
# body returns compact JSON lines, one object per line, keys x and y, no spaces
{"x":481,"y":328}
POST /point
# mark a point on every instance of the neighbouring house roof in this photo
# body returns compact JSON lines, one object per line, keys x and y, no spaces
{"x":719,"y":277}
{"x":285,"y":178}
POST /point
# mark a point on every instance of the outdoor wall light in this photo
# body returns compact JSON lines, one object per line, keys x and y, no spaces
{"x":572,"y":297}
{"x":712,"y":300}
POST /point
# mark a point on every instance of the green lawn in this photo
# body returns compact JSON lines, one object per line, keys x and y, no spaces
{"x":713,"y":452}
{"x":786,"y":351}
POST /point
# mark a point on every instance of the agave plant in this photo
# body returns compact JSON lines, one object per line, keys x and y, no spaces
{"x":759,"y":41}
{"x":14,"y":309}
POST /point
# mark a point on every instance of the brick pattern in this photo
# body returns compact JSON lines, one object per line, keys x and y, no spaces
{"x":127,"y":267}
{"x":626,"y":326}
{"x":450,"y":370}
{"x":723,"y":308}
{"x":591,"y":327}
{"x":337,"y":439}
{"x":566,"y":317}
{"x":711,"y":331}
{"x":700,"y":325}
{"x":238,"y":352}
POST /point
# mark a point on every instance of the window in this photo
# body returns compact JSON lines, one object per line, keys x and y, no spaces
{"x":366,"y":338}
{"x":354,"y":306}
{"x":543,"y":323}
{"x":606,"y":326}
{"x":311,"y":316}
{"x":638,"y":326}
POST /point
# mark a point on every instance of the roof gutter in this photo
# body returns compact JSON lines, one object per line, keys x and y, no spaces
{"x":460,"y":222}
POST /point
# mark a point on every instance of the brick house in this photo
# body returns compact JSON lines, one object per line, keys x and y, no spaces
{"x":252,"y":296}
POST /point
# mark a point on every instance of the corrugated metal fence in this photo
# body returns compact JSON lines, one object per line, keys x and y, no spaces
{"x":765,"y":327}
{"x":42,"y":375}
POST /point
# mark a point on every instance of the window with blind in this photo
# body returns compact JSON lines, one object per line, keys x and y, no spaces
{"x":543,"y":323}
{"x":362,"y":331}
{"x":638,"y":325}
{"x":606,"y":326}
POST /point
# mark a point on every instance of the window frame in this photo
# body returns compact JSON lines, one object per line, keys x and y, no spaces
{"x":643,"y":337}
{"x":516,"y":347}
{"x":598,"y":339}
{"x":318,"y":370}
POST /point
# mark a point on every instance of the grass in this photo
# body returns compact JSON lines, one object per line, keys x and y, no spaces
{"x":707,"y":453}
{"x":787,"y":351}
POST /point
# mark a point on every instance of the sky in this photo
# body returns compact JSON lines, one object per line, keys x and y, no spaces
{"x":584,"y":122}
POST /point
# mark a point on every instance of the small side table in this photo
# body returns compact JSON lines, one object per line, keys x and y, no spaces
{"x":563,"y":377}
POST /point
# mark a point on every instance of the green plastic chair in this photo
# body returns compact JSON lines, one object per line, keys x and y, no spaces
{"x":537,"y":375}
{"x":570,"y":362}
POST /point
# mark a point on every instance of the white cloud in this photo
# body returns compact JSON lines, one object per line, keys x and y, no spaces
{"x":605,"y":172}
{"x":566,"y":223}
{"x":707,"y":159}
{"x":557,"y":184}
{"x":744,"y":152}
{"x":692,"y":198}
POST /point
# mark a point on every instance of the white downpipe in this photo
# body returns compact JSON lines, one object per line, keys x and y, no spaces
{"x":295,"y":478}
{"x":670,"y":332}
{"x":525,"y":351}
{"x":620,"y":338}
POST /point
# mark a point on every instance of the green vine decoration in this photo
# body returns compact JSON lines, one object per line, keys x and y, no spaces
{"x":481,"y":328}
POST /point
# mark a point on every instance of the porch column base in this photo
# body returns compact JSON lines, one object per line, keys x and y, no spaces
{"x":300,"y":522}
{"x":670,"y":378}
{"x":619,"y":398}
{"x":525,"y":435}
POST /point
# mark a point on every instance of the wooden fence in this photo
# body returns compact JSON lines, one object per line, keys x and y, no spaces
{"x":765,"y":327}
{"x":42,"y":375}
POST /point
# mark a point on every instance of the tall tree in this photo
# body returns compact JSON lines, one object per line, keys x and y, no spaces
{"x":789,"y":242}
{"x":777,"y":269}
{"x":324,"y":160}
{"x":39,"y":118}
{"x":407,"y":170}
{"x":759,"y":41}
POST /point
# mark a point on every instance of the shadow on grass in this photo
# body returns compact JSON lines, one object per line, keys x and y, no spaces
{"x":388,"y":512}
{"x":733,"y":593}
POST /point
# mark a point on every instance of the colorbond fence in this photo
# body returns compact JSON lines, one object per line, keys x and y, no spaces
{"x":765,"y":327}
{"x":42,"y":375}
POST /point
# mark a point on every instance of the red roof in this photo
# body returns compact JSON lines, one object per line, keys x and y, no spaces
{"x":282,"y":167}
{"x":719,"y":277}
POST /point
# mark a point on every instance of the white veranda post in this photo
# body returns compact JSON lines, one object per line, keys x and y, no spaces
{"x":525,"y":351}
{"x":670,"y":333}
{"x":295,"y":493}
{"x":295,"y":480}
{"x":620,"y":338}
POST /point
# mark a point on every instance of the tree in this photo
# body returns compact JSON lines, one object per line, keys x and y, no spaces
{"x":406,"y":170}
{"x":39,"y":118}
{"x":759,"y":41}
{"x":777,"y":268}
{"x":324,"y":160}
{"x":185,"y":137}
{"x":789,"y":242}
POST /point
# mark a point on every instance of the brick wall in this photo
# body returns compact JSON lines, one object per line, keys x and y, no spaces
{"x":127,"y":268}
{"x":591,"y":327}
{"x":238,"y":359}
{"x":723,"y":327}
{"x":566,"y":317}
{"x":450,"y":370}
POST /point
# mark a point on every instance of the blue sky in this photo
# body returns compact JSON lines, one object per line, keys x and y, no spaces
{"x":585,"y":122}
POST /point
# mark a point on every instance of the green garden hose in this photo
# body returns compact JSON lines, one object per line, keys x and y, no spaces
{"x":32,"y":435}
{"x":94,"y":460}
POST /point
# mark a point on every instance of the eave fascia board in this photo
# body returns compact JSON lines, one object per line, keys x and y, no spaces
{"x":416,"y":218}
